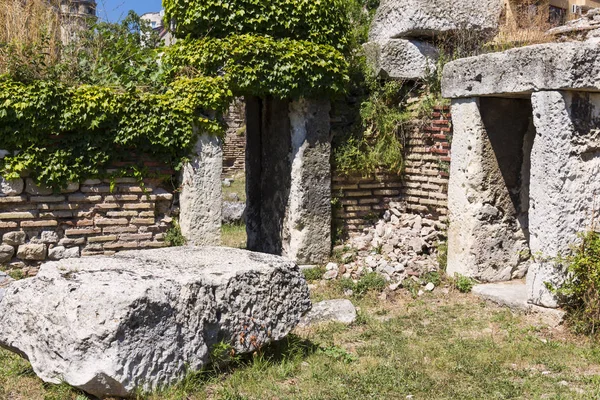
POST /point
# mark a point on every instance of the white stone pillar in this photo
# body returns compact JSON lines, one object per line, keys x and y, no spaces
{"x":486,"y":240}
{"x":201,"y":193}
{"x":564,"y":186}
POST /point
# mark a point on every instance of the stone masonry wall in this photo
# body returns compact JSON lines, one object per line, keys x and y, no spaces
{"x":234,"y":145}
{"x":422,"y":189}
{"x":83,"y":220}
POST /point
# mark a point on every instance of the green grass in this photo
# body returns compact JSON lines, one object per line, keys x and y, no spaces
{"x":238,"y":187}
{"x":233,"y":235}
{"x":437,"y":347}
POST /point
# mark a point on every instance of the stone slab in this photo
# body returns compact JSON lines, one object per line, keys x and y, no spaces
{"x":141,"y":320}
{"x":521,"y":71}
{"x":342,"y":311}
{"x":514,"y":296}
{"x":428,"y":18}
{"x":401,"y":59}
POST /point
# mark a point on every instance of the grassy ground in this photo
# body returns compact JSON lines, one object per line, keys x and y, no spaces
{"x":233,"y":236}
{"x":440,"y":346}
{"x":238,"y":186}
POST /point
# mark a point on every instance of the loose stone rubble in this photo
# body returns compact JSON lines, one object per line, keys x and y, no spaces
{"x":584,"y":28}
{"x":141,"y":320}
{"x":400,"y":246}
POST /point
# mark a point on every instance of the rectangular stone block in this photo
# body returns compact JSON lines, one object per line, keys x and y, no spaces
{"x":47,"y":199}
{"x":84,"y":198}
{"x":83,"y":231}
{"x":121,"y":197}
{"x":119,"y":214}
{"x":120,"y":229}
{"x":17,"y":215}
{"x":138,"y":206}
{"x":13,"y":199}
{"x":143,"y":221}
{"x":38,"y":224}
{"x":110,"y":221}
{"x":139,"y":236}
{"x":99,"y":239}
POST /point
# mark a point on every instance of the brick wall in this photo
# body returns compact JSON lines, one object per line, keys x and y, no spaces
{"x":85,"y":219}
{"x":234,"y":145}
{"x":422,"y":189}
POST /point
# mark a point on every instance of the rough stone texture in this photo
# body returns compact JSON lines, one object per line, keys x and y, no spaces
{"x":201,"y":195}
{"x":233,"y":212}
{"x":427,"y":18}
{"x":307,"y":224}
{"x":36,"y":190}
{"x":565,"y":163}
{"x":487,"y":236}
{"x":32,"y":252}
{"x":288,"y":179}
{"x":5,"y":280}
{"x":15,"y":238}
{"x":401,"y":59}
{"x":342,"y":311}
{"x":60,"y":252}
{"x":586,"y":27}
{"x":552,"y":66}
{"x":6,"y":253}
{"x":142,"y":319}
{"x":540,"y":274}
{"x":11,"y":187}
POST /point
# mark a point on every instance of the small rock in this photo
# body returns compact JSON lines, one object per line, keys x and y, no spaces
{"x":227,"y":182}
{"x":331,"y":266}
{"x":12,"y":187}
{"x":14,"y":238}
{"x":348,"y":292}
{"x":233,"y":197}
{"x":387,"y":215}
{"x":394,"y":286}
{"x":233,"y":213}
{"x":429,"y":287}
{"x":342,"y":311}
{"x":420,"y":293}
{"x":329,"y":275}
{"x":49,"y":237}
{"x":395,"y":220}
{"x":32,"y":252}
{"x":6,"y":253}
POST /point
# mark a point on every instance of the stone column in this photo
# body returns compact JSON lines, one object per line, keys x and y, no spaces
{"x":201,"y":194}
{"x":486,"y":237}
{"x":288,"y":178}
{"x":564,"y":188}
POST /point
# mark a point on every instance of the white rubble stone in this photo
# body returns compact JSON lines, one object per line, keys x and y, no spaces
{"x":14,"y":238}
{"x":13,"y":187}
{"x":33,"y":189}
{"x":201,"y":195}
{"x":32,"y":252}
{"x":523,"y":70}
{"x":401,"y":59}
{"x":6,"y":253}
{"x":429,"y":287}
{"x":233,"y":212}
{"x":141,"y":320}
{"x":49,"y":237}
{"x":342,"y":311}
{"x":427,"y":18}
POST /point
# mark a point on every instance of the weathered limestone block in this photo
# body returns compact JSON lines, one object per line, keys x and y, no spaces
{"x":32,"y":188}
{"x":487,"y":236}
{"x":6,"y":253}
{"x":342,"y":311}
{"x":13,"y":187}
{"x":288,"y":179}
{"x":201,"y":194}
{"x":32,"y":252}
{"x":233,"y":212}
{"x":565,"y":164}
{"x":552,"y":66}
{"x":141,"y":320}
{"x":426,"y":18}
{"x":49,"y":237}
{"x":60,"y":252}
{"x":401,"y":59}
{"x":307,"y":224}
{"x":15,"y":238}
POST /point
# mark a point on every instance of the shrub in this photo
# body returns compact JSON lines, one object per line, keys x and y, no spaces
{"x":463,"y":283}
{"x":580,"y":294}
{"x":174,"y":237}
{"x":314,"y":274}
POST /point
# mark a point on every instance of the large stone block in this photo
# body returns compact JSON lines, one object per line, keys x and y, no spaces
{"x":6,"y":253}
{"x":201,"y":194}
{"x":401,"y":59}
{"x":487,"y":197}
{"x":564,"y":186}
{"x":13,"y":187}
{"x":427,"y":18}
{"x":142,"y":320}
{"x":288,"y":179}
{"x":552,"y":66}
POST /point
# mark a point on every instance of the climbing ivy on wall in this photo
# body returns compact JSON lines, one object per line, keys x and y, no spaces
{"x":61,"y":134}
{"x":263,"y":66}
{"x":317,"y":21}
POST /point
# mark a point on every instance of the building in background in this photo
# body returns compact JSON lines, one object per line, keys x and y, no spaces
{"x":75,"y":16}
{"x":156,"y":21}
{"x":559,"y":11}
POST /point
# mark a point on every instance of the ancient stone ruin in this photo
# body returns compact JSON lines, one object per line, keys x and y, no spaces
{"x":142,"y":320}
{"x":523,"y":178}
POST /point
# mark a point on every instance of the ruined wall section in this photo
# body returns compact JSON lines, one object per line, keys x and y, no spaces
{"x":91,"y":218}
{"x":234,"y":143}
